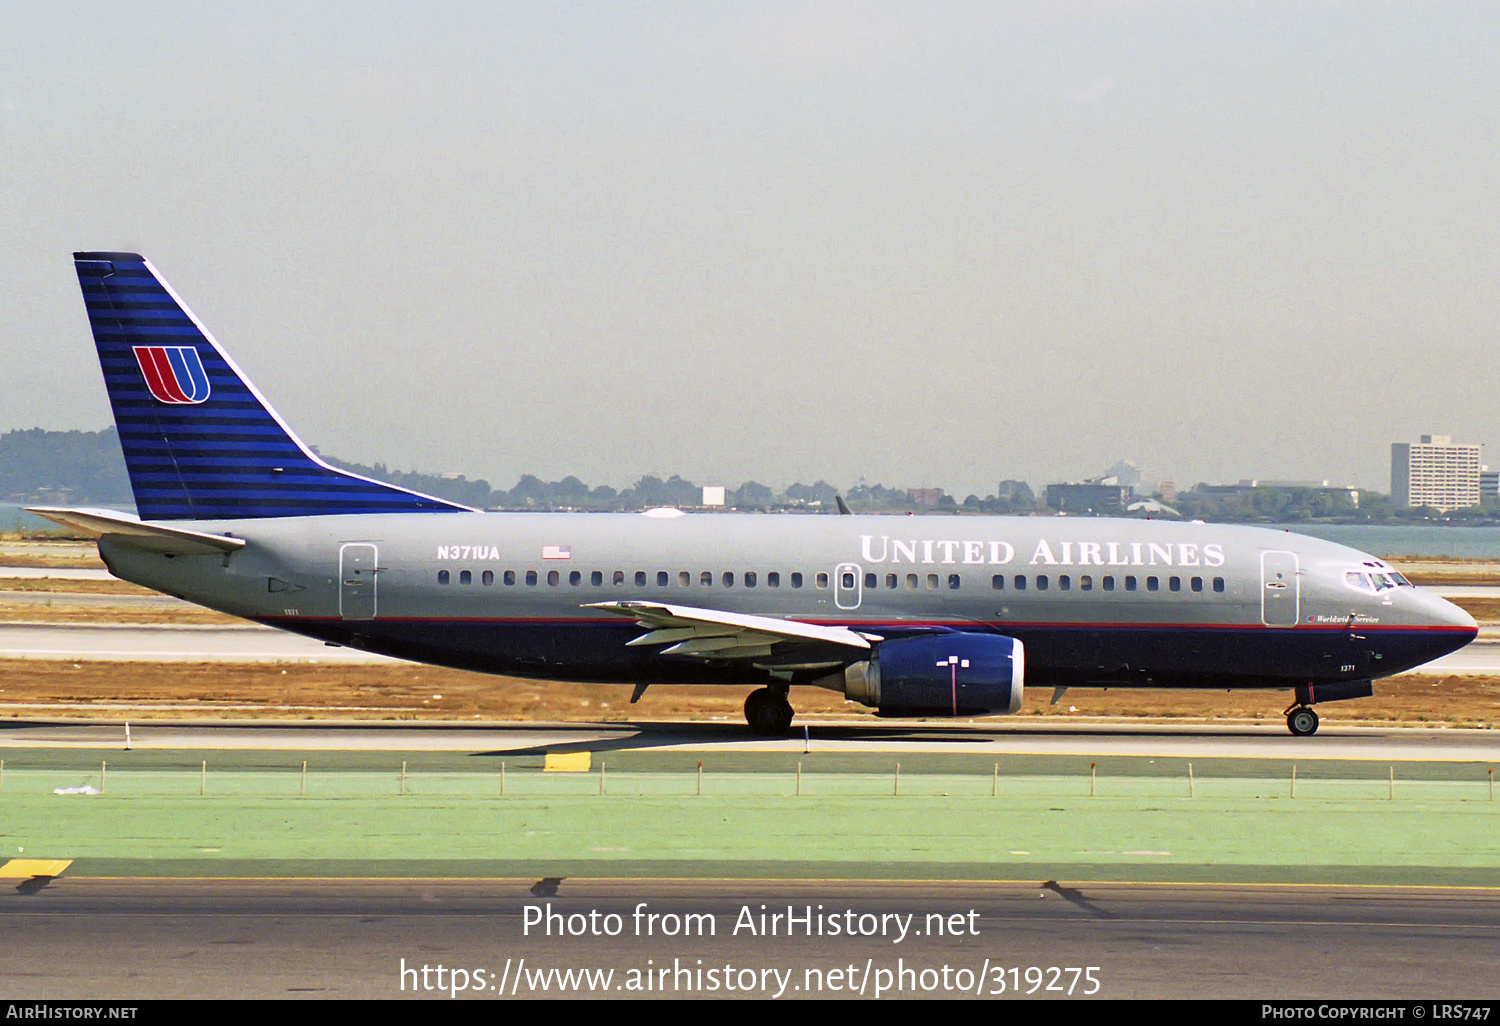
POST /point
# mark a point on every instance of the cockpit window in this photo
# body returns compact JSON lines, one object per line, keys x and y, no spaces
{"x":1402,"y":581}
{"x":1374,"y":580}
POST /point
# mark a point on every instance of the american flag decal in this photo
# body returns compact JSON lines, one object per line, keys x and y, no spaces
{"x":174,"y":374}
{"x":556,"y":552}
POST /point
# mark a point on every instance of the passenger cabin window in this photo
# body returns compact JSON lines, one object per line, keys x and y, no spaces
{"x":597,"y":578}
{"x":509,"y":578}
{"x":954,"y":582}
{"x":911,"y":582}
{"x":1020,"y":582}
{"x":1107,"y":582}
{"x":821,"y":580}
{"x":1197,"y":584}
{"x":871,"y":580}
{"x":728,"y":579}
{"x":1086,"y":583}
{"x":1064,"y":582}
{"x":465,"y":577}
{"x":1130,"y":584}
{"x":640,"y":578}
{"x":846,"y":580}
{"x":706,"y":578}
{"x":575,"y":577}
{"x":998,"y":582}
{"x":553,"y":577}
{"x":1218,"y":584}
{"x":1041,"y":582}
{"x":488,"y":578}
{"x":1174,"y":584}
{"x":662,"y":577}
{"x":891,"y":580}
{"x":796,"y":579}
{"x":442,"y":577}
{"x":531,"y":578}
{"x":773,"y":579}
{"x":749,"y":578}
{"x":932,"y":582}
{"x":618,"y":578}
{"x":684,"y":579}
{"x":1152,"y":584}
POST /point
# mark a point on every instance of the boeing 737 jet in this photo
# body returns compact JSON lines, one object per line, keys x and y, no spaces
{"x":914,"y":616}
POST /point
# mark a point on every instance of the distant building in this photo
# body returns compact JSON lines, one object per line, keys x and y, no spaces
{"x":1168,"y":491}
{"x":1489,"y":485}
{"x":1434,"y":472}
{"x":713,"y":495}
{"x":1102,"y":496}
{"x":927,"y":498}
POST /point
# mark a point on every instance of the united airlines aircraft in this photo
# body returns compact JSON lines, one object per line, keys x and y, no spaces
{"x":914,"y":616}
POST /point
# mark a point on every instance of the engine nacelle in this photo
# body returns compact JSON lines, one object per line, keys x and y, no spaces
{"x":955,"y":674}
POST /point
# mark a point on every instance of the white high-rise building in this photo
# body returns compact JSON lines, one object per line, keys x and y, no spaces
{"x":1435,"y":472}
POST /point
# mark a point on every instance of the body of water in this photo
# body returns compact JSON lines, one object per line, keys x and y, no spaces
{"x":1425,"y":542}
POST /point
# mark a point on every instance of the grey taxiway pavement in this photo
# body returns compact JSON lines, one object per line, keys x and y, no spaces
{"x":1013,"y":737}
{"x":512,"y":938}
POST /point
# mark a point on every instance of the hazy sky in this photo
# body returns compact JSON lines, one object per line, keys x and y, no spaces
{"x":924,"y":243}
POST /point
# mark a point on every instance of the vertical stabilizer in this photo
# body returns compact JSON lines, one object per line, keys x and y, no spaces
{"x":200,"y":443}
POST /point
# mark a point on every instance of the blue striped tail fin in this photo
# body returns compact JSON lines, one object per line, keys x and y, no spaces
{"x":200,"y":443}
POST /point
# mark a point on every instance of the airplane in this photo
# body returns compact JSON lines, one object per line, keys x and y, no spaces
{"x":913,"y":616}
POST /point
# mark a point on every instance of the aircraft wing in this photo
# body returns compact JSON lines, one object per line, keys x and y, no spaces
{"x":152,"y":537}
{"x":715,"y":634}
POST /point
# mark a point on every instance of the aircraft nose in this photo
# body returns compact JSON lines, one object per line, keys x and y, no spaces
{"x":1450,"y":627}
{"x":1448,"y":615}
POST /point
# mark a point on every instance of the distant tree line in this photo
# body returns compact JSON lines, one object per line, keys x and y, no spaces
{"x":86,"y":467}
{"x":55,"y":467}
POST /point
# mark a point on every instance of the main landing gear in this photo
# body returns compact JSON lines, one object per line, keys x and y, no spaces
{"x":1301,"y":720}
{"x":768,"y":712}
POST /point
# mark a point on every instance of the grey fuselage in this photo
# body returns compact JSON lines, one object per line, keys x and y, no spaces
{"x":1095,"y":601}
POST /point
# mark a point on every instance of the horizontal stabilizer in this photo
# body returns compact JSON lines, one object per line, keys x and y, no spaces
{"x":152,"y":537}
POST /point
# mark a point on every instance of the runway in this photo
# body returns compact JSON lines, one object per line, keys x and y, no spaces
{"x":133,"y":940}
{"x":1014,"y":737}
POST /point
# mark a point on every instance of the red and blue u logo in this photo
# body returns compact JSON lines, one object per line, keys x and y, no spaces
{"x":173,"y":373}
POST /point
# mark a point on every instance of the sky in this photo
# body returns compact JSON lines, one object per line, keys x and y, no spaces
{"x":922,"y":244}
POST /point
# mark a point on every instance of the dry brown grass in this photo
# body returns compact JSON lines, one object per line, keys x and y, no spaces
{"x":431,"y":693}
{"x":1485,"y":610}
{"x":68,"y":586}
{"x":64,"y":612}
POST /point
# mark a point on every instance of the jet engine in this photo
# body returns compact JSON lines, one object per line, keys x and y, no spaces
{"x":950,"y":674}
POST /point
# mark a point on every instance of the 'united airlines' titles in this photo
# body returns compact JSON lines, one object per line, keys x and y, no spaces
{"x":885,"y":549}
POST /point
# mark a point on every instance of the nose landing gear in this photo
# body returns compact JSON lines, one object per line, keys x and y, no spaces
{"x":768,"y":712}
{"x":1302,"y":721}
{"x":1300,"y":718}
